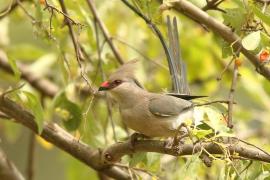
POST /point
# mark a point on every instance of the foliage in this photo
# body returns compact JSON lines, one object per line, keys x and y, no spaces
{"x":41,"y":41}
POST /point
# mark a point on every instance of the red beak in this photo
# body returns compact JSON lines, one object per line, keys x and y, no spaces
{"x":104,"y":86}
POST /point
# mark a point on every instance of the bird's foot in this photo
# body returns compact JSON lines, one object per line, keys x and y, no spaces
{"x":175,"y":143}
{"x":134,"y":137}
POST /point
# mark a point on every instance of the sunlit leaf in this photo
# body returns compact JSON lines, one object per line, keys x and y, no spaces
{"x":201,"y":133}
{"x":234,"y":17}
{"x":43,"y":65}
{"x":44,"y":143}
{"x":252,"y":41}
{"x":137,"y":158}
{"x":14,"y":68}
{"x":153,"y":161}
{"x":34,"y":104}
{"x":264,"y":17}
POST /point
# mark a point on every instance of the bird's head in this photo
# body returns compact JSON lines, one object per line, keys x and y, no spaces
{"x":122,"y":78}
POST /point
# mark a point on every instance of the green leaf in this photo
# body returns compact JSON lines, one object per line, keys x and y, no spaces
{"x":235,"y":17}
{"x":191,"y":166}
{"x":42,"y":66}
{"x":226,"y":48}
{"x":26,"y":51}
{"x":69,"y":112}
{"x":212,"y":119}
{"x":38,"y":11}
{"x":252,"y":41}
{"x":137,"y":158}
{"x":265,"y":40}
{"x":14,"y":68}
{"x":199,"y":133}
{"x":264,"y":17}
{"x":149,"y":8}
{"x":34,"y":104}
{"x":153,"y":161}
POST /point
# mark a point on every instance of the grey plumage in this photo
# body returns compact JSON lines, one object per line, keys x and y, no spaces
{"x":165,"y":106}
{"x":152,"y":114}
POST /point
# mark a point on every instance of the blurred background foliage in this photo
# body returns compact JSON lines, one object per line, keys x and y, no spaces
{"x":27,"y":39}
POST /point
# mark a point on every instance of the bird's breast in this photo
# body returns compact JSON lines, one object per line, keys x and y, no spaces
{"x":143,"y":121}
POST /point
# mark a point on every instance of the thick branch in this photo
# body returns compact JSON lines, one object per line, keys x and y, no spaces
{"x":8,"y":171}
{"x":97,"y":160}
{"x":60,"y":138}
{"x":225,"y":32}
{"x":44,"y":86}
{"x":116,"y":151}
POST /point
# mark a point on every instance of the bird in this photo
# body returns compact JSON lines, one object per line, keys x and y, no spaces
{"x":147,"y":113}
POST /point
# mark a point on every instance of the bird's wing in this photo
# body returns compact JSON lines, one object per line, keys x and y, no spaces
{"x":185,"y":96}
{"x":165,"y":106}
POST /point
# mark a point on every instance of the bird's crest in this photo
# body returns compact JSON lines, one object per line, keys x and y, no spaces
{"x":126,"y":70}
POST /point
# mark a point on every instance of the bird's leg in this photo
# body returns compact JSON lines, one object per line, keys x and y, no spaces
{"x":176,"y":142}
{"x":134,"y":137}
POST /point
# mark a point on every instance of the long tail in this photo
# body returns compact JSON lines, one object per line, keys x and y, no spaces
{"x":178,"y":66}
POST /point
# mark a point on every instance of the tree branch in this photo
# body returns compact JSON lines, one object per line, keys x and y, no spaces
{"x":188,"y":9}
{"x":105,"y":31}
{"x":116,"y":151}
{"x":213,"y":5}
{"x":8,"y":170}
{"x":98,"y":159}
{"x":60,"y":138}
{"x":44,"y":86}
{"x":231,"y":95}
{"x":31,"y":156}
{"x":9,"y":9}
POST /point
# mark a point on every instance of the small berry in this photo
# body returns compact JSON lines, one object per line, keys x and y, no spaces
{"x":42,"y":2}
{"x":238,"y":62}
{"x":264,"y":55}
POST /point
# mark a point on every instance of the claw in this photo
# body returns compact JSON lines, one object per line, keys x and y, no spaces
{"x":133,"y":138}
{"x":177,"y":141}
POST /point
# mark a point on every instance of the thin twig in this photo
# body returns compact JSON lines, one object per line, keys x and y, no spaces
{"x":11,"y":90}
{"x":76,"y":45}
{"x":105,"y":32}
{"x":31,"y":156}
{"x":8,"y":171}
{"x":11,"y":6}
{"x":26,"y":12}
{"x":68,"y":22}
{"x":108,"y":103}
{"x":231,"y":96}
{"x":225,"y":69}
{"x":134,"y":168}
{"x":213,"y":5}
{"x":213,"y":102}
{"x":169,"y":55}
{"x":64,"y":13}
{"x":9,"y":9}
{"x":140,"y":53}
{"x":249,"y":164}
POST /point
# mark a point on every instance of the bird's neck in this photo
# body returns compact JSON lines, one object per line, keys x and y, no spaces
{"x":129,"y":97}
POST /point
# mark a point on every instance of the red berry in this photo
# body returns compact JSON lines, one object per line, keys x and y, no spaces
{"x":238,"y":62}
{"x":264,"y":55}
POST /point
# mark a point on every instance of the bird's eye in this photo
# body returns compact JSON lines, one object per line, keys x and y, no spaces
{"x":117,"y":81}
